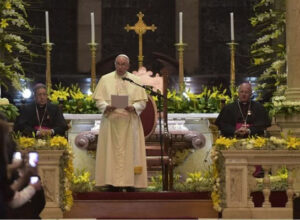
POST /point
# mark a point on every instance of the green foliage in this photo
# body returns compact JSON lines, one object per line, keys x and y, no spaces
{"x":13,"y":48}
{"x":9,"y":110}
{"x":268,"y":51}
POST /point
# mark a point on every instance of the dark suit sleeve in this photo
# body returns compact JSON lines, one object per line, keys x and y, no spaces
{"x":24,"y":122}
{"x":59,"y":123}
{"x":226,"y":122}
{"x":261,"y":120}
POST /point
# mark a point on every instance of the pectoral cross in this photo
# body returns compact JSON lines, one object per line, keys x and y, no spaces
{"x":140,"y":28}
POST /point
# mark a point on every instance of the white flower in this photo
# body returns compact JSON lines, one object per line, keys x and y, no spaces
{"x":249,"y":146}
{"x":41,"y":143}
{"x":4,"y":101}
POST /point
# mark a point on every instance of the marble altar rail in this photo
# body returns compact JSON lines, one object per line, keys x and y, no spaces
{"x":239,"y":181}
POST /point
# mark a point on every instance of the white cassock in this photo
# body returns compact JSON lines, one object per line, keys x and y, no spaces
{"x":121,"y":154}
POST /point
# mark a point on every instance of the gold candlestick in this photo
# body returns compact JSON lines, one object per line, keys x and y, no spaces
{"x":48,"y":48}
{"x":232,"y":47}
{"x":180,"y":48}
{"x":93,"y":48}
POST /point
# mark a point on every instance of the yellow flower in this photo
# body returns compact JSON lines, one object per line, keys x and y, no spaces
{"x":89,"y":98}
{"x":77,"y":95}
{"x":59,"y":94}
{"x":3,"y":23}
{"x":8,"y":47}
{"x":7,"y":5}
{"x":26,"y":142}
{"x":227,"y":142}
{"x":258,"y":142}
{"x":58,"y":141}
{"x":293,"y":142}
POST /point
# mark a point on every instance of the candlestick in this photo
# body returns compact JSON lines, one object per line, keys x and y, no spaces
{"x":180,"y":27}
{"x":92,"y":28}
{"x":47,"y":27}
{"x":180,"y":49}
{"x":232,"y":46}
{"x":93,"y":48}
{"x":232,"y":26}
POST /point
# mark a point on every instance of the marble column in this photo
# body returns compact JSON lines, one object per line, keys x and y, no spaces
{"x":293,"y":49}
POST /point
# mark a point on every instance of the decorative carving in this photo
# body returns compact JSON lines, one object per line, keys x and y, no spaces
{"x":147,"y":78}
{"x":235,"y":194}
{"x":49,"y":184}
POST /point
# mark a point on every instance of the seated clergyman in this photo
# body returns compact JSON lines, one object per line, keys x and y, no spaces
{"x":244,"y":117}
{"x":41,"y":118}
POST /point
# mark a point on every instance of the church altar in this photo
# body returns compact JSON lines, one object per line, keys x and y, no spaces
{"x":197,"y":160}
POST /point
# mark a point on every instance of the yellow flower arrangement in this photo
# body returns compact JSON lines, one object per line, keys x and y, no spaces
{"x":77,"y":94}
{"x":258,"y":142}
{"x":59,"y":94}
{"x":227,"y":142}
{"x":58,"y":141}
{"x":81,"y":181}
{"x":293,"y":143}
{"x":26,"y":142}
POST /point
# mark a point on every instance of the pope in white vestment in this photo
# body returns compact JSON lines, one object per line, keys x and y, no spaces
{"x":121,"y":154}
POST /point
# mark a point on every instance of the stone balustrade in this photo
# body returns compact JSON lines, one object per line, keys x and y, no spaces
{"x":239,"y":182}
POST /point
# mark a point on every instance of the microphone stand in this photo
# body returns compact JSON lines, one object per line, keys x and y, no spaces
{"x":159,"y":96}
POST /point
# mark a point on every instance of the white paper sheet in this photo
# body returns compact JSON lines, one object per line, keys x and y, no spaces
{"x":119,"y":101}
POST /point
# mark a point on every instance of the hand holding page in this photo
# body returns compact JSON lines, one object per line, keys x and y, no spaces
{"x":119,"y":101}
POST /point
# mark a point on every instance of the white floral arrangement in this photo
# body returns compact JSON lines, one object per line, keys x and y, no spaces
{"x":283,"y":106}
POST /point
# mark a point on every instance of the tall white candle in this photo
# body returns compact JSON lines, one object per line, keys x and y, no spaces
{"x":180,"y":27}
{"x":232,"y":26}
{"x":47,"y":27}
{"x":92,"y":28}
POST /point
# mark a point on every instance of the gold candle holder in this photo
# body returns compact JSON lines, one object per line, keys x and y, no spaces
{"x":180,"y":49}
{"x":48,"y":48}
{"x":93,"y":48}
{"x":232,"y":47}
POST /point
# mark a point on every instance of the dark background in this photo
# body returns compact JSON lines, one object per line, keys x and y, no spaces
{"x":214,"y":60}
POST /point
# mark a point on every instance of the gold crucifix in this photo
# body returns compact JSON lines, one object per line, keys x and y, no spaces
{"x":140,"y":28}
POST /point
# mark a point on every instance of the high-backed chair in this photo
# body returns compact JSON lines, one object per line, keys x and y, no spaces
{"x":158,"y":158}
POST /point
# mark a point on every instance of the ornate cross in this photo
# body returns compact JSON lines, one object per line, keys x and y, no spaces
{"x":140,"y":28}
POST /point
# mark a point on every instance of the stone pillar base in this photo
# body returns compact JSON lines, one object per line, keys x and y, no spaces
{"x":292,"y":94}
{"x":51,"y":213}
{"x":289,"y":123}
{"x":258,"y":213}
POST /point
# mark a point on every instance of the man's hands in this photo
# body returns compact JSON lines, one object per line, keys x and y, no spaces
{"x":44,"y":132}
{"x":130,"y":108}
{"x":109,"y":109}
{"x":242,"y":131}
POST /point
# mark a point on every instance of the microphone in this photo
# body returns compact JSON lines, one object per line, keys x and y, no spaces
{"x":205,"y":159}
{"x":127,"y":79}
